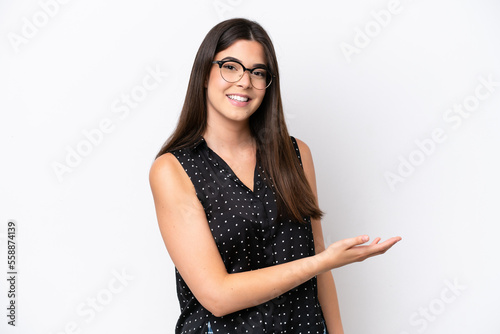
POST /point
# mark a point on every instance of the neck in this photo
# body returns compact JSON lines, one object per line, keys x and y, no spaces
{"x":229,"y":139}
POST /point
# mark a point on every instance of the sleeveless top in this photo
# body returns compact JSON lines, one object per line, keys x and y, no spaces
{"x":249,"y":236}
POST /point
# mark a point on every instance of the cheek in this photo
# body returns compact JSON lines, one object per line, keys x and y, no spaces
{"x":260,"y":97}
{"x":215,"y":80}
{"x":215,"y":89}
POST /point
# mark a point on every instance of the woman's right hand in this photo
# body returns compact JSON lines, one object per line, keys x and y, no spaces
{"x":352,"y":250}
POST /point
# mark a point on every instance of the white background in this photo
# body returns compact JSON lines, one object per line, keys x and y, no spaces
{"x":360,"y":114}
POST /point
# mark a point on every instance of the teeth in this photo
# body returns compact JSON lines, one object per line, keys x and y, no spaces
{"x":238,"y":98}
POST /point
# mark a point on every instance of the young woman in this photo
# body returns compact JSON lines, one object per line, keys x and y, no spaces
{"x":236,"y":200}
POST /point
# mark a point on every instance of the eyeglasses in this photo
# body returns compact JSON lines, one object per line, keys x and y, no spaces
{"x":233,"y":71}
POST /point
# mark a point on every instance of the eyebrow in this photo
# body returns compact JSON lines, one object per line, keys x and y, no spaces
{"x":239,"y":61}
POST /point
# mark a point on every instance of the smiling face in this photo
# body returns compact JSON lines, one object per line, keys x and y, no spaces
{"x":237,"y":101}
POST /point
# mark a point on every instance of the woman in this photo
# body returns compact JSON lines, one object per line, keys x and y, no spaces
{"x":236,"y":200}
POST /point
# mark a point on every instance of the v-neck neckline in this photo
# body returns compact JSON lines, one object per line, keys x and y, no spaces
{"x":232,"y":173}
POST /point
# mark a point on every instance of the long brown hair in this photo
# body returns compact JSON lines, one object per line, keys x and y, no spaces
{"x":267,"y":124}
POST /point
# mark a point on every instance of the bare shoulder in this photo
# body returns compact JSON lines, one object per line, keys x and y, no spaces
{"x":163,"y":165}
{"x":168,"y":175}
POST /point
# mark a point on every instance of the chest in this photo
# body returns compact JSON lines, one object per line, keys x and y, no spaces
{"x":242,"y":167}
{"x":244,"y":221}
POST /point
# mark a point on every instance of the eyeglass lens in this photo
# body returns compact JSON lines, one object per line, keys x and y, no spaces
{"x":232,"y":72}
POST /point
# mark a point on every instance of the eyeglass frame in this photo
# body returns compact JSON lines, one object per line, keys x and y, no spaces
{"x":222,"y":62}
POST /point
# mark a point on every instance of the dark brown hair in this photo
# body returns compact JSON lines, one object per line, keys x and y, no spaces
{"x":274,"y":148}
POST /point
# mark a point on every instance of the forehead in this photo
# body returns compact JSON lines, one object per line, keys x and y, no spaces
{"x":248,"y":52}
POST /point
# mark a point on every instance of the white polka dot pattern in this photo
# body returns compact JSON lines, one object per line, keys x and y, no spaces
{"x":249,"y":235}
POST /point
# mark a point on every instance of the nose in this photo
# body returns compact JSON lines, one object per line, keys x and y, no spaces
{"x":245,"y":81}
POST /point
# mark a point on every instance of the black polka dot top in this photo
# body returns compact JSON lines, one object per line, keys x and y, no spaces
{"x":249,"y":235}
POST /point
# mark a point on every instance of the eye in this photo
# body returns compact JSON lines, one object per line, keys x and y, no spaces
{"x":260,"y":73}
{"x":230,"y":67}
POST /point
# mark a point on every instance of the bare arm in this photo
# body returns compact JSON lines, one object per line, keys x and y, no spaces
{"x":188,"y":239}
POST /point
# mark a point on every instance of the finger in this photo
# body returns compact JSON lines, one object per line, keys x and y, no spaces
{"x":392,"y":240}
{"x":384,"y":246}
{"x":375,"y":248}
{"x":356,"y":241}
